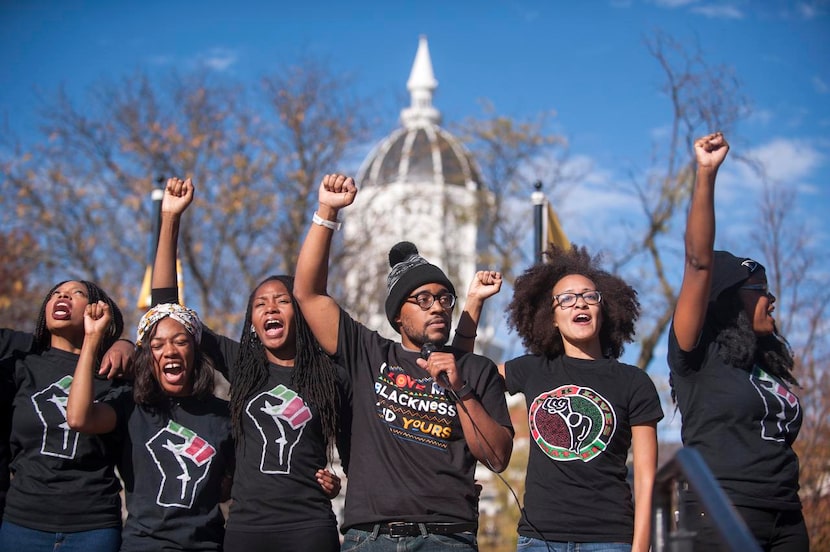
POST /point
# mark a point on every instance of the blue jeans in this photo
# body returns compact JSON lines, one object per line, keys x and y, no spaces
{"x":362,"y":541}
{"x":527,"y":544}
{"x":14,"y":538}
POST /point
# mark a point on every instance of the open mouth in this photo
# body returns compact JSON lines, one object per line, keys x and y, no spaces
{"x":62,"y":311}
{"x":274,"y":328}
{"x":582,"y":318}
{"x":173,"y":373}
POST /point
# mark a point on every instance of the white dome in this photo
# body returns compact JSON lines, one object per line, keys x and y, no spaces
{"x":420,"y":152}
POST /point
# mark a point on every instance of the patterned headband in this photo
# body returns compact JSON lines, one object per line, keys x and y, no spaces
{"x":185,"y":316}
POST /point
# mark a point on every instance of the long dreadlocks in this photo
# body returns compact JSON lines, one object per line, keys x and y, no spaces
{"x":313,"y":373}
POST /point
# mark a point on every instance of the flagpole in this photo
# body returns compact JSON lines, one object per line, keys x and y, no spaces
{"x":538,"y":199}
{"x":156,"y":195}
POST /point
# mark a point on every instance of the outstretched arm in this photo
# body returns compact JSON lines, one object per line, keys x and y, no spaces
{"x":690,"y":312}
{"x":484,"y":284}
{"x":178,"y":194}
{"x":82,"y":413}
{"x":321,"y":311}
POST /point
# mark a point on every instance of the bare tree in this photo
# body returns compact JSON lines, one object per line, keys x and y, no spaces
{"x":702,"y":99}
{"x":18,"y":300}
{"x":801,"y":313}
{"x":511,"y":155}
{"x":255,"y":156}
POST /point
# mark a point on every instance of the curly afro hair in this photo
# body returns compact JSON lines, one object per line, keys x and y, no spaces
{"x":530,"y":312}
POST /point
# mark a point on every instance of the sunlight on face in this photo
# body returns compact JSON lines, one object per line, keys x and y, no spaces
{"x":580,"y":323}
{"x":272,"y":315}
{"x":174,"y":352}
{"x":66,"y":305}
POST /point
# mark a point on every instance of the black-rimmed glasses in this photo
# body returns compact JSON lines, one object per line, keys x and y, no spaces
{"x":567,"y":300}
{"x":763,"y":288}
{"x":425,"y":300}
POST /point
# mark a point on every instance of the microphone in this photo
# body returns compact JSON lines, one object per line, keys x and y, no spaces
{"x":427,"y":349}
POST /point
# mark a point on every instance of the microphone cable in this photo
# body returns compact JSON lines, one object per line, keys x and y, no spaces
{"x":427,"y":349}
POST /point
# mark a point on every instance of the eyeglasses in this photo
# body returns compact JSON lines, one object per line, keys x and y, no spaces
{"x":567,"y":300}
{"x":763,"y":288}
{"x":425,"y":300}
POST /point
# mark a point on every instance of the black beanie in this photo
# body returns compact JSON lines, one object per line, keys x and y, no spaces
{"x":409,"y":272}
{"x":729,"y":271}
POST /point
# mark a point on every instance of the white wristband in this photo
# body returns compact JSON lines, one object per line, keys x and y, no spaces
{"x":330,"y":224}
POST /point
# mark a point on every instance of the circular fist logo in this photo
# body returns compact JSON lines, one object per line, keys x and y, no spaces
{"x":571,"y":423}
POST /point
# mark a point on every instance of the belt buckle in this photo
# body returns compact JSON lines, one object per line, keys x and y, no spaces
{"x":398,"y":528}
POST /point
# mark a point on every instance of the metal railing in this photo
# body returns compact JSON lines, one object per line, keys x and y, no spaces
{"x":670,"y":529}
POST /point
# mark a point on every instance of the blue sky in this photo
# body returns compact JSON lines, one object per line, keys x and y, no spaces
{"x":584,"y":60}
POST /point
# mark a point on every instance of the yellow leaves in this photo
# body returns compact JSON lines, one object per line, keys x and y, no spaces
{"x":132,"y":202}
{"x":46,"y":218}
{"x":240,"y":162}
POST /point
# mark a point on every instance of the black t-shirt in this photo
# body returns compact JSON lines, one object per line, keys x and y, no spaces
{"x":580,"y":414}
{"x":11,"y":342}
{"x":275,"y":487}
{"x":63,"y":481}
{"x":410,"y":461}
{"x":742,"y":422}
{"x":173,"y":467}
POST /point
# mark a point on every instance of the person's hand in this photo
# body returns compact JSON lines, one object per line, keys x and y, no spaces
{"x":711,"y":150}
{"x":441,"y":366}
{"x":329,"y":482}
{"x":337,"y":191}
{"x":117,"y":362}
{"x":178,"y":194}
{"x":485,"y":283}
{"x":96,"y":319}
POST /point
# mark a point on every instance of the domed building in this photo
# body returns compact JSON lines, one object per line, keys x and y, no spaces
{"x":418,"y":184}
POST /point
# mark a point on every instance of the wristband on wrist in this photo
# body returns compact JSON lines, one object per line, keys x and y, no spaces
{"x":465,"y":336}
{"x":330,"y":224}
{"x":464,"y":391}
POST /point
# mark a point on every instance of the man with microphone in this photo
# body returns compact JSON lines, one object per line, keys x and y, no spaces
{"x":423,"y":413}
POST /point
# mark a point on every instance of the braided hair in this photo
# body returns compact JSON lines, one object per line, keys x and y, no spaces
{"x":313,"y":373}
{"x":43,"y":337}
{"x":531,"y":315}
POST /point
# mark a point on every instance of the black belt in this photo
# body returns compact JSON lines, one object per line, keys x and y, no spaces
{"x":410,"y":529}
